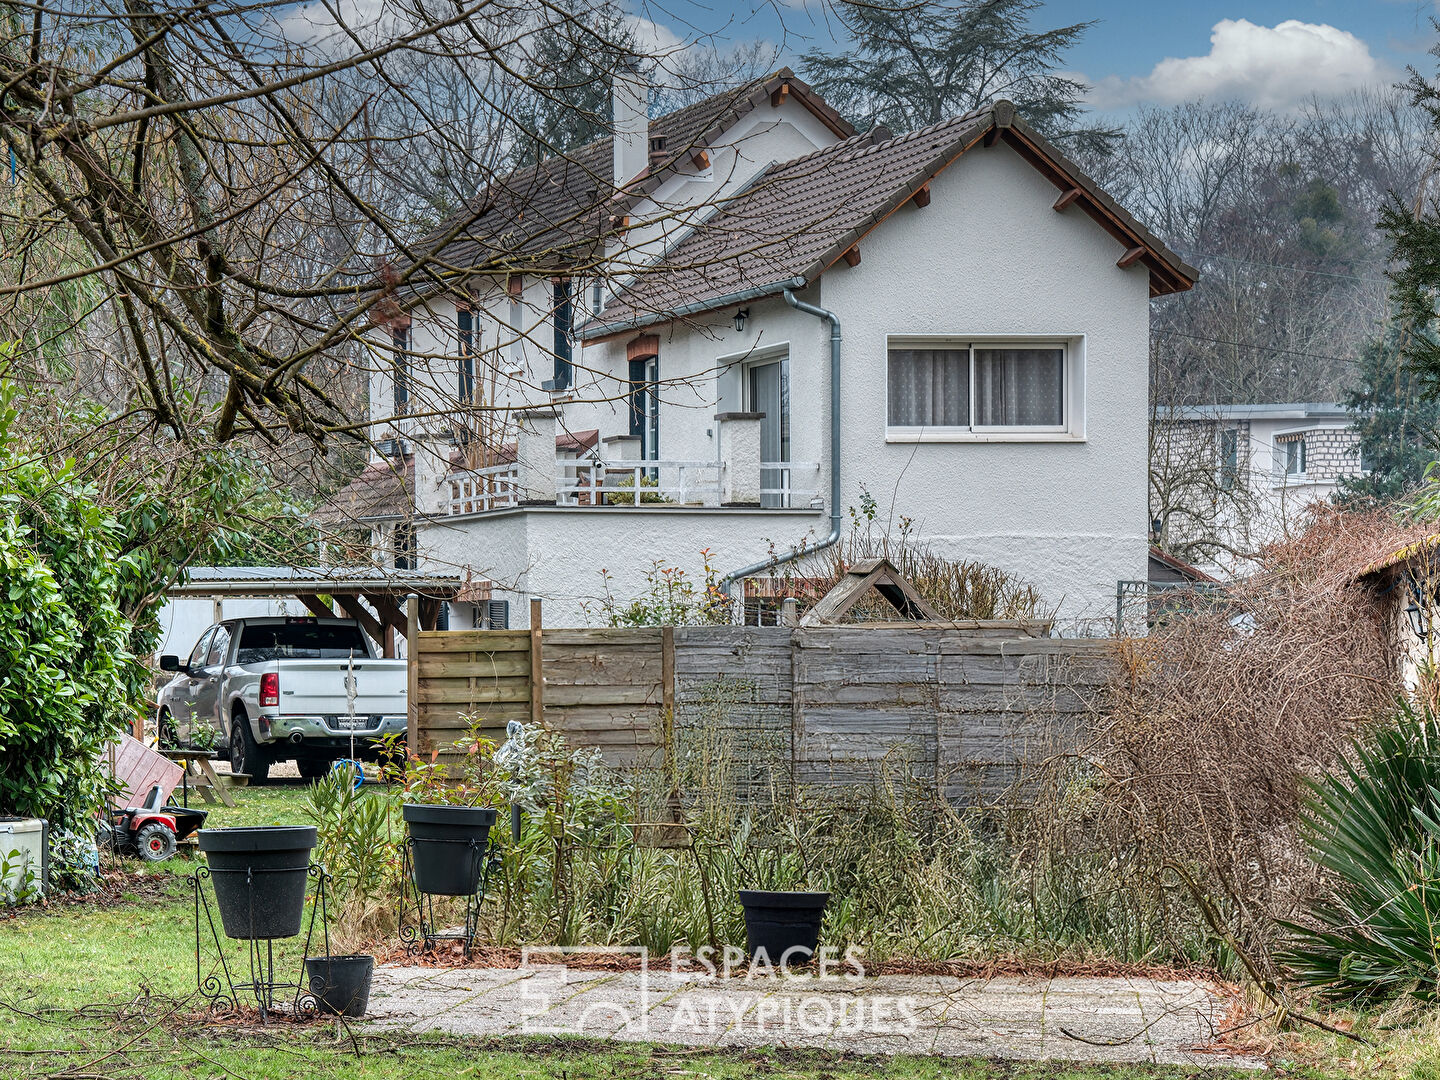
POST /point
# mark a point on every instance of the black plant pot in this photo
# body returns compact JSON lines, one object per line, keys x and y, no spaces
{"x":341,"y":984}
{"x":447,"y":846}
{"x":259,"y":876}
{"x":777,"y":922}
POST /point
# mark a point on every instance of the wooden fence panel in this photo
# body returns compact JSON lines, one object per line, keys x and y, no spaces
{"x":461,"y":674}
{"x":866,"y":703}
{"x":603,"y":688}
{"x":732,"y":725}
{"x":967,"y":711}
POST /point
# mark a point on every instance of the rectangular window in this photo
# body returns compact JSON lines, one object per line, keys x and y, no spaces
{"x":645,"y":405}
{"x":1229,"y":458}
{"x":403,"y":547}
{"x":1295,"y":457}
{"x":1001,"y":387}
{"x":516,"y":287}
{"x":564,"y":315}
{"x":465,"y":327}
{"x":267,"y":642}
{"x":400,"y":366}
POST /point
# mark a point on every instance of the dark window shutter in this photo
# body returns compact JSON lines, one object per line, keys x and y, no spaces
{"x":564,"y":316}
{"x":498,"y":614}
{"x":465,"y":327}
{"x":400,"y":339}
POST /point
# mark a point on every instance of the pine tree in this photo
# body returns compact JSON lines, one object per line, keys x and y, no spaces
{"x":909,"y":65}
{"x":1414,"y":235}
{"x":1396,"y":421}
{"x":567,"y":82}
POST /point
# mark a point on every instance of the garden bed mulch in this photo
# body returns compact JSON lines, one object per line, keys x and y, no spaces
{"x":119,"y":884}
{"x":511,"y":957}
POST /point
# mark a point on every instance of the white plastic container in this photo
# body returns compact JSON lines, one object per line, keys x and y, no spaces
{"x":24,"y":849}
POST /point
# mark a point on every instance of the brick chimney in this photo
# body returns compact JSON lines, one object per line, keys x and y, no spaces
{"x":631,"y":120}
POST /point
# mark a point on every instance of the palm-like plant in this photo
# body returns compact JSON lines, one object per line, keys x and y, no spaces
{"x":1374,"y":823}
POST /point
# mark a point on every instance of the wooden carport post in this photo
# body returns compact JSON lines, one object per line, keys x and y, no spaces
{"x":412,"y":673}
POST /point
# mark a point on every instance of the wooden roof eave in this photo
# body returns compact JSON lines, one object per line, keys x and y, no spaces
{"x":1168,"y":273}
{"x":920,"y":179}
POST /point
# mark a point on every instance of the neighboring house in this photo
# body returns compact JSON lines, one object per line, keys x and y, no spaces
{"x":1225,"y":480}
{"x":974,"y":305}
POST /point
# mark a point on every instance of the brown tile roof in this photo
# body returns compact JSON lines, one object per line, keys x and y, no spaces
{"x":794,"y":222}
{"x":1180,"y":566}
{"x":383,"y":490}
{"x":552,"y":215}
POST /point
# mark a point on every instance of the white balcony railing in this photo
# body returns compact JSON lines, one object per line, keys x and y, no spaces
{"x":477,"y":490}
{"x":614,"y":483}
{"x":785,"y":484}
{"x":589,"y":482}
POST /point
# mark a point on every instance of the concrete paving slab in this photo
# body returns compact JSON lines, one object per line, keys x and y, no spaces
{"x":1071,"y":1018}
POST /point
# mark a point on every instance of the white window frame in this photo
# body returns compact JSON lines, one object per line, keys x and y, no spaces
{"x":1295,"y":448}
{"x":1279,"y":478}
{"x":1072,"y":393}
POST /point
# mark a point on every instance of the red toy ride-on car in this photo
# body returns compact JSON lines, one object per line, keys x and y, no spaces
{"x":152,"y":830}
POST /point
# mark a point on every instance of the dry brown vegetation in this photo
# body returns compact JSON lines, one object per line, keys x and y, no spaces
{"x":1219,"y":716}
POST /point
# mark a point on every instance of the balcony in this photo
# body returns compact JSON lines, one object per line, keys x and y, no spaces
{"x":591,"y":482}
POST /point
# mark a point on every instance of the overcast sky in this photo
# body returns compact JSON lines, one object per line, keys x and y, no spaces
{"x":1270,"y":52}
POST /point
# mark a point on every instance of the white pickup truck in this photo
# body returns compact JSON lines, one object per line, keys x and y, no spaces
{"x":306,"y":689}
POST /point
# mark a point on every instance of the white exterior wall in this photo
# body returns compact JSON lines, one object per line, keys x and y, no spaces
{"x":184,"y":618}
{"x":988,"y":256}
{"x":557,"y":554}
{"x":1282,"y":502}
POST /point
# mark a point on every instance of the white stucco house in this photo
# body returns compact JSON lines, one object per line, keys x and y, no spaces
{"x":1246,"y":475}
{"x":756,"y":315}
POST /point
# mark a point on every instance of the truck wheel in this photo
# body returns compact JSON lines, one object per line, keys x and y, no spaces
{"x":155,"y":842}
{"x":245,"y":755}
{"x":313,"y":768}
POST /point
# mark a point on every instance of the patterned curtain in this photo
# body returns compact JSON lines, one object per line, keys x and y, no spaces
{"x":1019,"y":387}
{"x":929,"y":388}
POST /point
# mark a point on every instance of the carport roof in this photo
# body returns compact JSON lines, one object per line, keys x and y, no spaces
{"x":289,"y":580}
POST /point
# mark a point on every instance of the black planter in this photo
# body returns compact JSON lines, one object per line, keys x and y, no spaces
{"x":259,"y":876}
{"x":341,"y":984}
{"x":447,"y":846}
{"x":779,"y":921}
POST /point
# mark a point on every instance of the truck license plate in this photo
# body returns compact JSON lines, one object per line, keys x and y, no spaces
{"x":352,"y":723}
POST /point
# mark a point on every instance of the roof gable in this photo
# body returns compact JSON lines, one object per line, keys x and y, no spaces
{"x":796,"y":221}
{"x":557,"y":213}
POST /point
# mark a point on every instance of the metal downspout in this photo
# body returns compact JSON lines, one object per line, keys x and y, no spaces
{"x":728,"y":581}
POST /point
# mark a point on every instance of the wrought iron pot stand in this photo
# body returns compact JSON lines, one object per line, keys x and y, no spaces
{"x":422,"y":933}
{"x":271,"y":993}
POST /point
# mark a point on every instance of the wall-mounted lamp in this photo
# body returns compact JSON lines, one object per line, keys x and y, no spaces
{"x":1419,"y":623}
{"x":740,"y":316}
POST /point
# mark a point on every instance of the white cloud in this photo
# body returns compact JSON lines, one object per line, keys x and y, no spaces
{"x":1274,"y":67}
{"x":653,"y":39}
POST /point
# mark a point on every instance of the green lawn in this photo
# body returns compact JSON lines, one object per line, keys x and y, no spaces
{"x":104,"y":990}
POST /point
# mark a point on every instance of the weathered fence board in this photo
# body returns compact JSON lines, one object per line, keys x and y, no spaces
{"x":968,"y":709}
